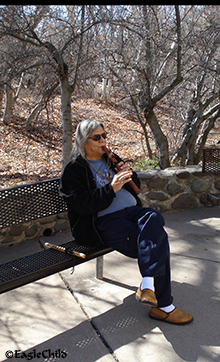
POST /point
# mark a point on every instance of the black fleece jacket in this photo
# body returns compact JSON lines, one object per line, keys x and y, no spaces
{"x":84,"y":200}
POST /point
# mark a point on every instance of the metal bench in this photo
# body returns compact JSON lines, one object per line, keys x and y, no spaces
{"x":211,"y":164}
{"x":23,"y":203}
{"x":211,"y":160}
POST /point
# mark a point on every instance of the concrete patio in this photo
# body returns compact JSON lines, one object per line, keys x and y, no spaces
{"x":77,"y":318}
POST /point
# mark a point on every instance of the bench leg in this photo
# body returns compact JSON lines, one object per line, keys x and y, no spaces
{"x":99,"y":267}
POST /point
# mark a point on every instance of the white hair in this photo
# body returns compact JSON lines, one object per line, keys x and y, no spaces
{"x":83,"y":131}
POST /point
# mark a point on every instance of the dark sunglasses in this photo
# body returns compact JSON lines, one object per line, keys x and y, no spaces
{"x":97,"y":137}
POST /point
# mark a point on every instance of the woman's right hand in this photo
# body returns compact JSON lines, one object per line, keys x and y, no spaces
{"x":121,"y":178}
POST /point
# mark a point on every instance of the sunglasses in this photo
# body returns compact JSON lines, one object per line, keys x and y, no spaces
{"x":97,"y":137}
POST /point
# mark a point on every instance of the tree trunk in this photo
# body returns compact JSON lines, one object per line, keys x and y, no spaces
{"x":104,"y":88}
{"x":8,"y":113}
{"x":187,"y":145}
{"x":159,"y":137}
{"x":205,"y":136}
{"x":66,"y":93}
{"x":96,"y":89}
{"x":149,"y":150}
{"x":109,"y":89}
{"x":19,"y":87}
{"x":1,"y":95}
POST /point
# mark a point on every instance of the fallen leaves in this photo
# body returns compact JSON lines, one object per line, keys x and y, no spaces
{"x":34,"y":153}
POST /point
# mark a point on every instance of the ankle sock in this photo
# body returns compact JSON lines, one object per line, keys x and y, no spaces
{"x":147,"y":283}
{"x":168,"y":309}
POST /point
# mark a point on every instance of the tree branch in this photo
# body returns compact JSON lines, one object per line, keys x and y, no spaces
{"x":80,"y":49}
{"x":179,"y":77}
{"x":210,"y":112}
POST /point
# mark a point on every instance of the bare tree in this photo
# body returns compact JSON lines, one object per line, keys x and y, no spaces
{"x":54,"y":44}
{"x":203,"y":107}
{"x":15,"y":53}
{"x":146,"y":59}
{"x":162,"y":59}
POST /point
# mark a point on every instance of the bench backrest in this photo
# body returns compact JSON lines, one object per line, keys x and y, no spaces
{"x":19,"y":204}
{"x":211,"y":160}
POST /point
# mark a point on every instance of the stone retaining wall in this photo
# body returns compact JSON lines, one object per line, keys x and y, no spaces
{"x":177,"y":188}
{"x":172,"y":188}
{"x":33,"y":229}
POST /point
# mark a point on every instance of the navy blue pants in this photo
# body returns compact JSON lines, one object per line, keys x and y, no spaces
{"x":138,"y":232}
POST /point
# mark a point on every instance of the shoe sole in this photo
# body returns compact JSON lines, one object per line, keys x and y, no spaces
{"x":165,"y":320}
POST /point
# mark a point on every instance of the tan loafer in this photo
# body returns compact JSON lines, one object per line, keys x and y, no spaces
{"x":146,"y":296}
{"x":174,"y":317}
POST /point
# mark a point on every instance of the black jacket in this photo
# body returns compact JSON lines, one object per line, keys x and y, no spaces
{"x":84,"y":200}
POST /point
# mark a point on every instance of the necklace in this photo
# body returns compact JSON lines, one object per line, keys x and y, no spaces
{"x":108,"y":171}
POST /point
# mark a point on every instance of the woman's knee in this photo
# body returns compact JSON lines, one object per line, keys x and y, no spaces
{"x":152,"y":216}
{"x":158,"y":216}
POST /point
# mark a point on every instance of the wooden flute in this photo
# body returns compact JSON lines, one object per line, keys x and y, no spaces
{"x":65,"y":250}
{"x":113,"y":159}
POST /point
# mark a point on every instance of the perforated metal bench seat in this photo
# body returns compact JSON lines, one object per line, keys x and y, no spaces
{"x":30,"y":268}
{"x":23,"y":203}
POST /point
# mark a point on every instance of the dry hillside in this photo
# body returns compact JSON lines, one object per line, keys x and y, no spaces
{"x":28,"y":155}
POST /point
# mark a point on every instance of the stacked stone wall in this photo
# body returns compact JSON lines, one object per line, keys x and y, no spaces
{"x":178,"y":188}
{"x":34,"y":229}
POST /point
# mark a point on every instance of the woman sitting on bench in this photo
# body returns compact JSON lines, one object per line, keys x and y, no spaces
{"x":104,"y":209}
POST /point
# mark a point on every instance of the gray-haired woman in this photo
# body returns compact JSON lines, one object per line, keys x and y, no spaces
{"x":104,"y":209}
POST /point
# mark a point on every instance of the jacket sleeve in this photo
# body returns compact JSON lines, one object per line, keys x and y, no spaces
{"x":75,"y":187}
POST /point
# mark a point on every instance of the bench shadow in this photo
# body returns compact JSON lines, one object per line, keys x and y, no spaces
{"x":128,"y":323}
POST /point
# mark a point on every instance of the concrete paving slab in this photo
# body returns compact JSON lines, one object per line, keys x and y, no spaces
{"x":77,"y":344}
{"x":25,"y":248}
{"x":194,"y":232}
{"x":16,"y":251}
{"x":42,"y":320}
{"x":125,"y":324}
